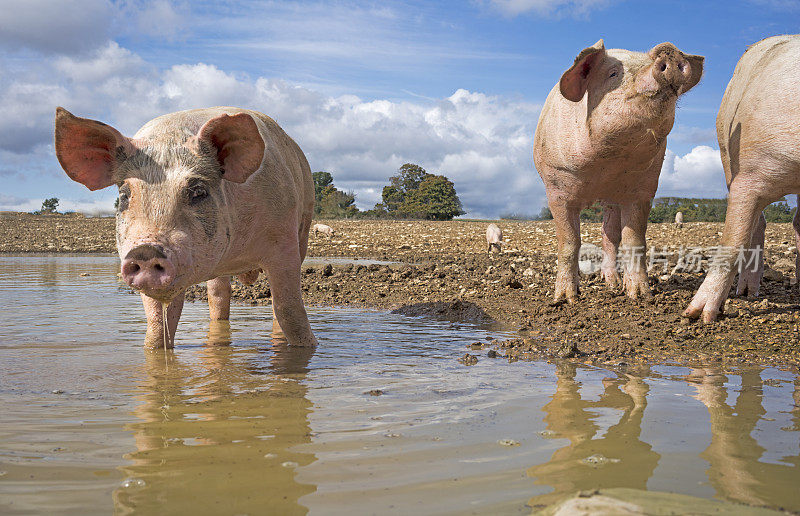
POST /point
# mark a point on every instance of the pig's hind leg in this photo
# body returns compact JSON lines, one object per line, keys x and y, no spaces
{"x":634,"y":227}
{"x":796,"y":225}
{"x":744,"y":207}
{"x":612,"y":233}
{"x":282,"y":266}
{"x":154,"y":312}
{"x":219,"y":298}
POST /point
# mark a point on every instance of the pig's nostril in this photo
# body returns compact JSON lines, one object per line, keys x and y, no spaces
{"x":663,"y":66}
{"x":134,"y":268}
{"x":158,"y":267}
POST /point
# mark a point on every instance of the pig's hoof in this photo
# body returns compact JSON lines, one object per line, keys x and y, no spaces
{"x":637,"y":288}
{"x":749,"y":284}
{"x":612,"y":279}
{"x":565,"y":296}
{"x":701,"y":306}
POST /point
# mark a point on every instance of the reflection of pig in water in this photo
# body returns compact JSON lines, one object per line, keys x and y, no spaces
{"x":739,"y":467}
{"x":631,"y":461}
{"x":601,"y":137}
{"x":220,"y":434}
{"x":759,"y":142}
{"x":203,"y":194}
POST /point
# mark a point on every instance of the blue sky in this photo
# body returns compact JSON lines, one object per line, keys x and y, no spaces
{"x":363,"y":87}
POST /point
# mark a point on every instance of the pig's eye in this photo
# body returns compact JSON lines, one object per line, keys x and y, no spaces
{"x":122,"y":200}
{"x":197,"y":193}
{"x":613,"y":74}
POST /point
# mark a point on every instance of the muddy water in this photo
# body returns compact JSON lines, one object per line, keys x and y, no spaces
{"x":380,"y":419}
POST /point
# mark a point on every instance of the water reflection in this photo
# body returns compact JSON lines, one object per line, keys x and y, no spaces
{"x":617,"y":458}
{"x":216,"y":434}
{"x":737,"y":469}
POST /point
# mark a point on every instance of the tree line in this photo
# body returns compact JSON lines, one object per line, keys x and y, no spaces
{"x":665,"y":208}
{"x":413,"y":193}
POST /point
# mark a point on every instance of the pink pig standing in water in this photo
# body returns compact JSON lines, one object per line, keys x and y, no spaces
{"x":203,"y":194}
{"x":601,"y":137}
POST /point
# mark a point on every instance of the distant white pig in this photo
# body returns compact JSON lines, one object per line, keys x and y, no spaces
{"x":203,"y":194}
{"x":759,"y":141}
{"x":322,"y":228}
{"x":679,"y":218}
{"x":494,"y":238}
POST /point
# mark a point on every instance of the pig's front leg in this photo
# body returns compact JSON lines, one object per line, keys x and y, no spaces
{"x":743,"y":210}
{"x":612,"y":233}
{"x":753,"y":267}
{"x":634,"y":252}
{"x":282,"y":267}
{"x":219,"y":298}
{"x":567,"y":221}
{"x":155,"y":321}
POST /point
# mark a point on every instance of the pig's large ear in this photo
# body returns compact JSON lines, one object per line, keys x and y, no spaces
{"x":575,"y":80}
{"x":89,"y":150}
{"x":240,"y":148}
{"x":696,"y":62}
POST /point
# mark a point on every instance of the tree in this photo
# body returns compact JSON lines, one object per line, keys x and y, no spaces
{"x":49,"y":205}
{"x":337,"y":204}
{"x":332,"y":203}
{"x":435,"y":198}
{"x":322,"y":180}
{"x":407,"y":180}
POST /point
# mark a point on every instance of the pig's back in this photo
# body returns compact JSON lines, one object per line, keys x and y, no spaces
{"x":760,"y":110}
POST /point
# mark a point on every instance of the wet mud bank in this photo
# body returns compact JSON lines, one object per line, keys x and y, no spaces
{"x":443,"y":271}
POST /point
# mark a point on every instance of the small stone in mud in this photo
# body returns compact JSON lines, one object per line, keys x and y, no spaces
{"x":57,"y":391}
{"x":328,"y":270}
{"x":289,"y":464}
{"x":391,"y":435}
{"x":84,"y":274}
{"x":547,"y":434}
{"x":468,"y":359}
{"x":567,"y":350}
{"x":491,"y":353}
{"x":374,"y":392}
{"x":508,"y":442}
{"x":475,"y":345}
{"x":269,"y":455}
{"x":598,"y":460}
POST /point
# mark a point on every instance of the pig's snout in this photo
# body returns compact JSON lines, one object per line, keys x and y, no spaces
{"x":146,"y":267}
{"x":671,"y":69}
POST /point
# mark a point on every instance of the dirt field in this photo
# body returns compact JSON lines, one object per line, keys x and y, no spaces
{"x":444,"y":271}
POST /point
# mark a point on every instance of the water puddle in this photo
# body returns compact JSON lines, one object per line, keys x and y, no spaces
{"x":381,"y":418}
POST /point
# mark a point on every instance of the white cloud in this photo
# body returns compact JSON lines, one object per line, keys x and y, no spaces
{"x":698,"y":173}
{"x":481,"y":142}
{"x":548,"y":7}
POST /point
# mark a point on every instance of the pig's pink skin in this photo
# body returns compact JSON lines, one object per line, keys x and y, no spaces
{"x":759,"y":141}
{"x":494,"y":237}
{"x":257,"y":213}
{"x":601,"y":137}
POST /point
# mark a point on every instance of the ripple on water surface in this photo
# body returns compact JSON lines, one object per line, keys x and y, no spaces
{"x":380,"y":418}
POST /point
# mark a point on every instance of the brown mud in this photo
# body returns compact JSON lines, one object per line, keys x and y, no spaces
{"x":444,"y":271}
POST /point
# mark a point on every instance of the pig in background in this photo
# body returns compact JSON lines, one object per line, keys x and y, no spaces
{"x":601,"y":136}
{"x":323,"y":229}
{"x":204,"y":194}
{"x":494,"y":238}
{"x":758,"y":128}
